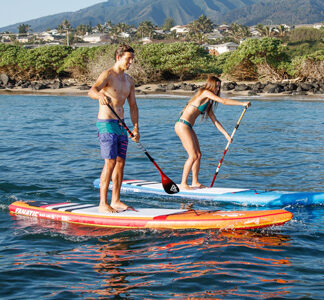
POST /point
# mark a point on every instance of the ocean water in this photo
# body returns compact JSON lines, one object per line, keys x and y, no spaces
{"x":49,"y":151}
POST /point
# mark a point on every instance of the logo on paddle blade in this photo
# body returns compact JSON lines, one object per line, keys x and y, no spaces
{"x":174,"y":188}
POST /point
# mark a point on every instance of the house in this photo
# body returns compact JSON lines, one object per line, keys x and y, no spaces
{"x":96,"y":38}
{"x":222,"y":48}
{"x":145,"y":40}
{"x":214,"y":35}
{"x":180,"y":29}
{"x":24,"y":38}
{"x":124,"y":35}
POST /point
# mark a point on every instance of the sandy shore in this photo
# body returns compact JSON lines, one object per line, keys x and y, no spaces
{"x":146,"y":90}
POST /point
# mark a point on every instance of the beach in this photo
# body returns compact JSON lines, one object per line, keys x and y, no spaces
{"x":185,"y":89}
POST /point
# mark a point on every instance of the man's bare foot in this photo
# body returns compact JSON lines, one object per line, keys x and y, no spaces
{"x":185,"y":187}
{"x":119,"y":206}
{"x":198,"y":186}
{"x":105,"y":208}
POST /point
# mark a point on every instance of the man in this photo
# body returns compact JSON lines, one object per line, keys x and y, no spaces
{"x":114,"y":86}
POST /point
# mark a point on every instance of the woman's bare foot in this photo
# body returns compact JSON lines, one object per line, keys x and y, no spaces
{"x":185,"y":187}
{"x":106,"y":209}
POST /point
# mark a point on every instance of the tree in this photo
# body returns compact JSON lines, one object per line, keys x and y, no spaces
{"x":198,"y":27}
{"x":100,"y":28}
{"x":66,"y":26}
{"x":238,"y":32}
{"x":168,"y":24}
{"x":23,"y":28}
{"x":145,"y":28}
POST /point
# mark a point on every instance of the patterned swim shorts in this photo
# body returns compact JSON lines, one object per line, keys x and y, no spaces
{"x":113,"y":139}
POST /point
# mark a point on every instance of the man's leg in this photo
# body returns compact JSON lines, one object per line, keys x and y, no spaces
{"x":105,"y":178}
{"x":117,"y":178}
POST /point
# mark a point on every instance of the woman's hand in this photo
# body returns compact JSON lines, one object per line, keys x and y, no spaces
{"x":246,"y":104}
{"x":228,"y":137}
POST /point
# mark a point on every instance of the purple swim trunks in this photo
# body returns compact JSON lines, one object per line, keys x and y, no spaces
{"x":113,"y":139}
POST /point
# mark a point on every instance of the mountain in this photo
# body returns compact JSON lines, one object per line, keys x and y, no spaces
{"x":247,"y":12}
{"x":278,"y":12}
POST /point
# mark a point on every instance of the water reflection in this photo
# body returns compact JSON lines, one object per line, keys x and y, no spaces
{"x":143,"y":263}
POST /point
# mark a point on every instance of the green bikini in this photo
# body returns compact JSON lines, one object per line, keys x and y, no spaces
{"x":202,"y":108}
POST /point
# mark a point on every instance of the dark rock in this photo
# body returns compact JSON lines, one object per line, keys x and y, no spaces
{"x":188,"y":87}
{"x":159,"y":89}
{"x":305,"y":86}
{"x":84,"y":87}
{"x":10,"y":85}
{"x":26,"y":85}
{"x":270,"y":88}
{"x":228,"y":86}
{"x":55,"y":85}
{"x":39,"y":86}
{"x":252,"y":93}
{"x":241,"y":87}
{"x":170,"y":87}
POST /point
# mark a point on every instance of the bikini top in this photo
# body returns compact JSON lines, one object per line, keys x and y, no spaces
{"x":202,"y":108}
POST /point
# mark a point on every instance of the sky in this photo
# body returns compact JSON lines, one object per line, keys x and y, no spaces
{"x":16,"y":11}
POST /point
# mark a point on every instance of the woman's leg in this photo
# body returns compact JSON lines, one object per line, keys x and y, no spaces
{"x":187,"y":137}
{"x":196,"y":165}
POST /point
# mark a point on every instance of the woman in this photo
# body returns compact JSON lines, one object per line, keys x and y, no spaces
{"x":202,"y":103}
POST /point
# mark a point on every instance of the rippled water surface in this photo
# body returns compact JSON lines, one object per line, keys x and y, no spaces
{"x":49,"y":151}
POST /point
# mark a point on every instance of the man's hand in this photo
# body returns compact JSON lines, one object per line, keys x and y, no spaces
{"x":136,"y":134}
{"x":104,"y":100}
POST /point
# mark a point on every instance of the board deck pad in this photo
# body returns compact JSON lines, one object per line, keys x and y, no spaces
{"x":238,"y":196}
{"x":155,"y":218}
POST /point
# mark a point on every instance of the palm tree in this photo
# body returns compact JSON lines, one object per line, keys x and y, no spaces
{"x":100,"y":28}
{"x":23,"y":28}
{"x":67,"y":27}
{"x":145,"y":28}
{"x":168,"y":24}
{"x":81,"y":29}
{"x":282,"y":30}
{"x":238,"y":32}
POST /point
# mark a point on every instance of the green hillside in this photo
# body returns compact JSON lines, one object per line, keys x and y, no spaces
{"x":247,"y":12}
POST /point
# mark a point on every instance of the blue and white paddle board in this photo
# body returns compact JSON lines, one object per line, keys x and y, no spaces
{"x":226,"y":195}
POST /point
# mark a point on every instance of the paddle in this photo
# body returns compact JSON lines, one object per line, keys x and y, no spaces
{"x":227,"y":146}
{"x":169,"y":186}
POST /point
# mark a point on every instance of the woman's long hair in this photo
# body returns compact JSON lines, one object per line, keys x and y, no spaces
{"x":213,"y":84}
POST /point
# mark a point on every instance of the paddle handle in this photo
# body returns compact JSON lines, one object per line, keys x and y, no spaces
{"x":228,"y":144}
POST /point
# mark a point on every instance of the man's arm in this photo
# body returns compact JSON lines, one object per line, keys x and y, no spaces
{"x":95,"y":90}
{"x":133,"y":111}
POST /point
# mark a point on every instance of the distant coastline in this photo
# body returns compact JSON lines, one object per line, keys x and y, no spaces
{"x":178,"y":89}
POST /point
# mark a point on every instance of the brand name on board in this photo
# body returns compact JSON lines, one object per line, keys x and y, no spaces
{"x":31,"y":213}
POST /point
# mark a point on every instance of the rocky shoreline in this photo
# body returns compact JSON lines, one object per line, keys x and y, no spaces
{"x":71,"y":87}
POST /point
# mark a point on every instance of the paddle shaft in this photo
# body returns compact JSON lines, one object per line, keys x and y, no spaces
{"x":138,"y":143}
{"x":227,"y":146}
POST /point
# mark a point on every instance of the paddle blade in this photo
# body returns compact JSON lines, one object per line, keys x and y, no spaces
{"x":169,"y":186}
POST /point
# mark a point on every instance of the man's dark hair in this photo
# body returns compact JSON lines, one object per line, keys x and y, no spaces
{"x":123,"y":48}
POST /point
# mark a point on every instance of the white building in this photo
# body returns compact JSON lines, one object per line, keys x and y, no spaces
{"x":222,"y":48}
{"x":96,"y":38}
{"x":180,"y":29}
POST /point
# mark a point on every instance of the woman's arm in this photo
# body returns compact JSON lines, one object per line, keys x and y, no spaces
{"x":219,"y":126}
{"x":212,"y":96}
